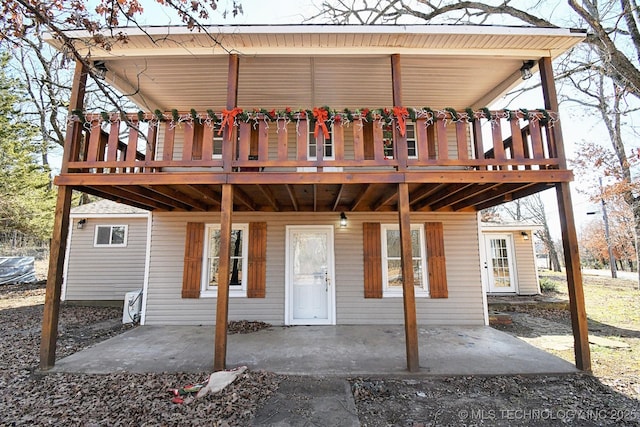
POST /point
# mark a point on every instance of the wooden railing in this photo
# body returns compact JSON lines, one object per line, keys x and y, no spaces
{"x":496,"y":140}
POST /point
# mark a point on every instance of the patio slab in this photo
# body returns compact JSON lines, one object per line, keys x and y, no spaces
{"x":343,"y":350}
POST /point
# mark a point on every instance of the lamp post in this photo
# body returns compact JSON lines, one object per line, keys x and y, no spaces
{"x":605,"y":218}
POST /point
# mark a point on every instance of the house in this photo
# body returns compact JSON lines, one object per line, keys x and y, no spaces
{"x":106,"y":252}
{"x":509,"y":258}
{"x":317,"y":175}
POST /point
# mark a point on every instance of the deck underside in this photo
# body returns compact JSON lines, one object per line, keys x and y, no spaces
{"x":317,"y":192}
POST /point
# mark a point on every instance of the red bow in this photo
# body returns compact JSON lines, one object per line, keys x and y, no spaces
{"x":229,"y":118}
{"x":401,"y":113}
{"x":321,"y":115}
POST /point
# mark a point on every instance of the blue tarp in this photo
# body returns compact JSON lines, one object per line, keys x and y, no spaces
{"x":17,"y":270}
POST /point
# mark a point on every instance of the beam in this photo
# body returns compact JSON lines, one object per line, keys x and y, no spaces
{"x":209,"y":197}
{"x":336,"y":202}
{"x":385,"y":198}
{"x":360,"y":197}
{"x":124,"y":201}
{"x":441,"y":194}
{"x":51,"y":314}
{"x":145,"y":196}
{"x":569,"y":236}
{"x":244,"y":199}
{"x":408,"y":291}
{"x":179,"y":196}
{"x":270,"y":197}
{"x":222,"y":300}
{"x":292,"y":196}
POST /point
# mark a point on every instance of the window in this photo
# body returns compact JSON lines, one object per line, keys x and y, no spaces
{"x":412,"y":141}
{"x":327,"y":144}
{"x":110,"y":235}
{"x":217,"y":141}
{"x":238,"y":266}
{"x":391,"y":260}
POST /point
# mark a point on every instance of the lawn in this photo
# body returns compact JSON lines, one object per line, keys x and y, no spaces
{"x":613,"y":312}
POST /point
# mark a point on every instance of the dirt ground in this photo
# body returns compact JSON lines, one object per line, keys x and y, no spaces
{"x":28,"y":397}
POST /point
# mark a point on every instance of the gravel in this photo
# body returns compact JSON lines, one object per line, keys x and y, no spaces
{"x":28,"y":397}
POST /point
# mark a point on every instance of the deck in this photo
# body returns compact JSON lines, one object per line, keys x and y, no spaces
{"x":282,"y":161}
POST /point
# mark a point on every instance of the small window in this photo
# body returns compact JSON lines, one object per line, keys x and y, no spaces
{"x":238,"y":266}
{"x":391,"y":260}
{"x":327,"y":144}
{"x":412,"y":141}
{"x":217,"y":141}
{"x":111,"y":235}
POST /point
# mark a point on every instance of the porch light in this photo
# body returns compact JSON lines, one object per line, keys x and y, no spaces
{"x":81,"y":223}
{"x":525,"y":235}
{"x":343,"y":220}
{"x":525,"y":70}
{"x":100,"y":69}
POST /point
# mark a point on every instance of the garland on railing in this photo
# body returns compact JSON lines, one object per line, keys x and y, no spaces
{"x":319,"y":117}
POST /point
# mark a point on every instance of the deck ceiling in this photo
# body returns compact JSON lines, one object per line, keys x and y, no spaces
{"x":442,"y":66}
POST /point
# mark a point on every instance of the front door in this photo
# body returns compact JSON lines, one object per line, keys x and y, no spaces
{"x":310,"y":294}
{"x":499,"y":265}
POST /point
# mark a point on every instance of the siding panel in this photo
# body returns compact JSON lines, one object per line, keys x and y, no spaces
{"x":105,"y":273}
{"x":463,"y":307}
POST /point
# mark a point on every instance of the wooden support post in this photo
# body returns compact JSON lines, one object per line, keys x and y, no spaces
{"x":568,"y":228}
{"x":50,"y":316}
{"x":51,"y":313}
{"x":408,"y":291}
{"x":400,"y":141}
{"x":228,"y":144}
{"x":222,"y":304}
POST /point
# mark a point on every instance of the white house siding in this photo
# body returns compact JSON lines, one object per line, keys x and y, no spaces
{"x":105,"y":273}
{"x":464,"y":305}
{"x":525,"y":259}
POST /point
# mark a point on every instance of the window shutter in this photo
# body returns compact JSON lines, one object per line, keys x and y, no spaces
{"x":436,"y":263}
{"x":257,"y":262}
{"x":372,"y":260}
{"x":193,"y":251}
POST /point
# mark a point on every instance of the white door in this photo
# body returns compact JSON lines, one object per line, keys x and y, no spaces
{"x":499,"y":264}
{"x":310,"y":294}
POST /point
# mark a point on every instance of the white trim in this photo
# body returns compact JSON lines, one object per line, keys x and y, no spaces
{"x":420,"y":292}
{"x":483,"y":276}
{"x":109,"y":215}
{"x":234,"y":292}
{"x":111,"y":227}
{"x":511,"y":259}
{"x":331,"y":300}
{"x":343,"y":29}
{"x":65,"y":268}
{"x":147,"y":264}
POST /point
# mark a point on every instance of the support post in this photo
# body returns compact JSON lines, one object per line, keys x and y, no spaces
{"x":222,"y":303}
{"x":50,"y":317}
{"x":400,"y":148}
{"x":408,"y":291}
{"x":228,"y":135}
{"x":568,"y":228}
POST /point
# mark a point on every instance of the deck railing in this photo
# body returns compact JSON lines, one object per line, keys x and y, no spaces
{"x":151,"y":143}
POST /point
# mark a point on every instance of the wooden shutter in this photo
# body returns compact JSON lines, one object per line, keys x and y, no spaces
{"x":257,"y":262}
{"x":193,"y":249}
{"x":436,"y":263}
{"x":372,"y":260}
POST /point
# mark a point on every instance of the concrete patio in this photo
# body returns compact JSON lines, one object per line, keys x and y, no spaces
{"x":317,"y":350}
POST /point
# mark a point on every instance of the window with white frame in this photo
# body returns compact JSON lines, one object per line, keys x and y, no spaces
{"x":327,"y":144}
{"x":237,"y":266}
{"x":110,"y":235}
{"x":391,"y":260}
{"x":412,"y":140}
{"x":217,"y":141}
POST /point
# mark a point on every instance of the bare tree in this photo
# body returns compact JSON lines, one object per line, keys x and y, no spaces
{"x":611,"y":53}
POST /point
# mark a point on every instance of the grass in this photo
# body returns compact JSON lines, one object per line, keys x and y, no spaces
{"x":613,"y":312}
